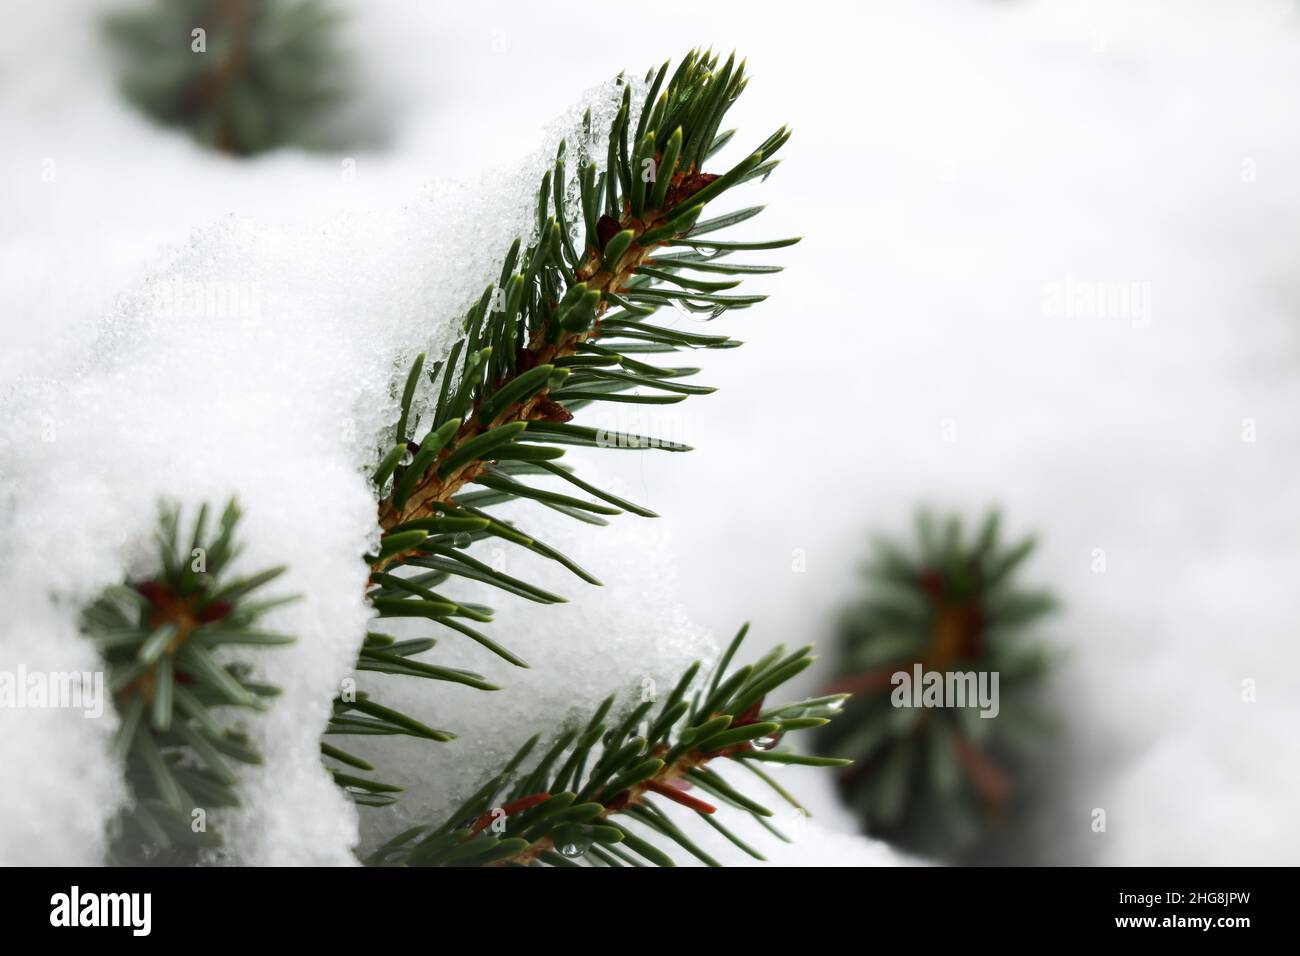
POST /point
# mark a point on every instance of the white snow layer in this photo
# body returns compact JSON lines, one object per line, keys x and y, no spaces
{"x":958,"y":167}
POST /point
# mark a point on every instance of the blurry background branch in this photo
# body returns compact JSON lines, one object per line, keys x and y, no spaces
{"x":240,"y":76}
{"x":936,"y":774}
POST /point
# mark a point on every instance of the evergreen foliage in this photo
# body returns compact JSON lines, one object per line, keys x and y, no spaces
{"x":594,"y":798}
{"x":565,"y":326}
{"x":160,"y":639}
{"x":240,"y":76}
{"x":936,"y":780}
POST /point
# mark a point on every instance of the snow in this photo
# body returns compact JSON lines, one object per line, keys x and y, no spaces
{"x":957,"y":168}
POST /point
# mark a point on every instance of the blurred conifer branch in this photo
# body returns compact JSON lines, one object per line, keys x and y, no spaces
{"x":938,"y":779}
{"x":240,"y":76}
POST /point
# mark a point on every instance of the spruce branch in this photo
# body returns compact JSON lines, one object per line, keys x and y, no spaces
{"x":241,"y":76}
{"x":936,"y":779}
{"x":520,"y":360}
{"x":562,"y":328}
{"x":160,"y":638}
{"x":574,"y":806}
